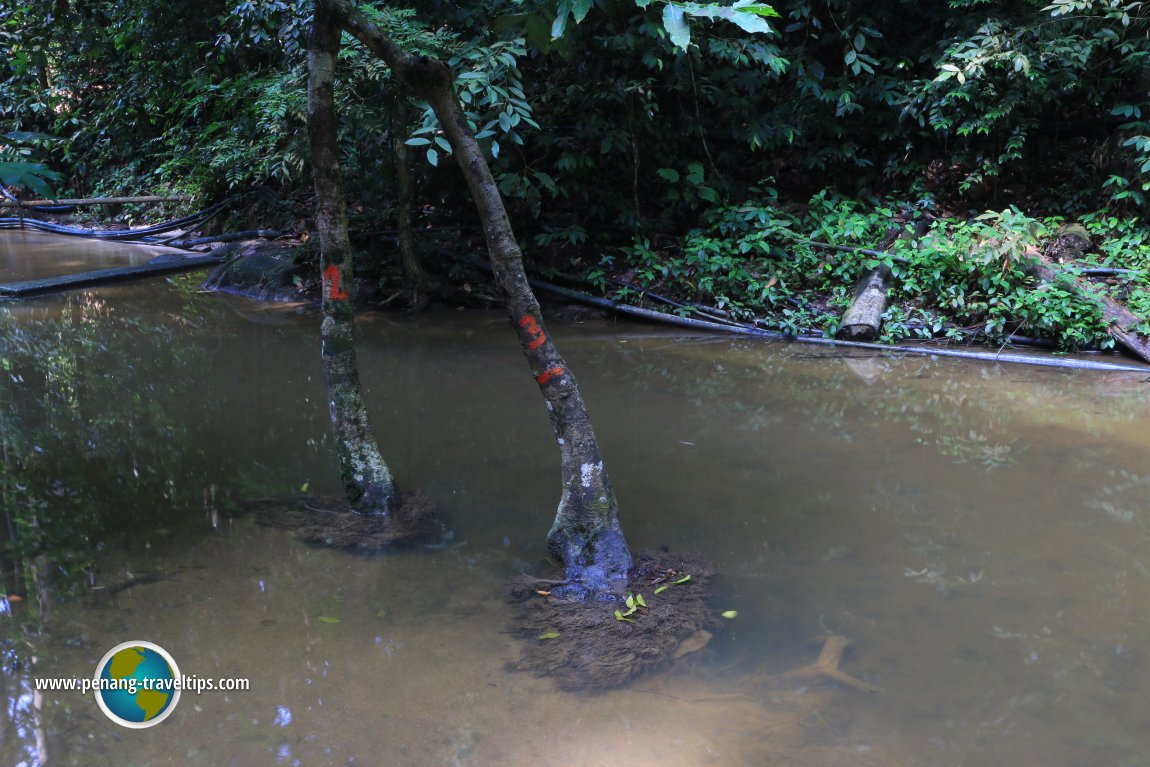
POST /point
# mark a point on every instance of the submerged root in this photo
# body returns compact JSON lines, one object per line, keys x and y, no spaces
{"x":826,"y":668}
{"x":329,"y":520}
{"x":583,"y":645}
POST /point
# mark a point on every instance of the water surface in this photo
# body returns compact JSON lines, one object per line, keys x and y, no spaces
{"x":981,"y":532}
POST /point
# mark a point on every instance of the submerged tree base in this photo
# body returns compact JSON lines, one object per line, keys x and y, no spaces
{"x":329,"y":520}
{"x":596,"y":645}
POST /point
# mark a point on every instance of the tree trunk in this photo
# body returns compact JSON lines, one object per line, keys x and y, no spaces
{"x":1121,"y":321}
{"x":862,"y":320}
{"x":366,"y":479}
{"x":417,"y":277}
{"x":586,"y":535}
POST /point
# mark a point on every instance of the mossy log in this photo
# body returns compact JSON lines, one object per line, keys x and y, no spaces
{"x":1120,"y":320}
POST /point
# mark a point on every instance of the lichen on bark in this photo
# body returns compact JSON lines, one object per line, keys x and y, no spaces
{"x":366,"y":479}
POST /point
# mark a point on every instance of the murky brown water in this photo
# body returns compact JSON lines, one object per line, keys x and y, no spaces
{"x":981,"y":532}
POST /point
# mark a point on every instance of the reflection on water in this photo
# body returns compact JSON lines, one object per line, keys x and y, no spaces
{"x":981,"y":532}
{"x":35,"y":255}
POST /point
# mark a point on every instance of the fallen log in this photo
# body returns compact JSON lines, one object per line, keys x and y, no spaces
{"x":158,"y":266}
{"x":688,"y":322}
{"x":862,"y":320}
{"x":1120,"y":320}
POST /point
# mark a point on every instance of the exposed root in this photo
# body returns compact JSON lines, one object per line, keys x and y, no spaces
{"x":329,"y":520}
{"x":826,"y":667}
{"x":582,"y":645}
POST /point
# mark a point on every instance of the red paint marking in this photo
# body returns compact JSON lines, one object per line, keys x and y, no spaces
{"x":331,"y":283}
{"x":538,"y":338}
{"x":547,"y":375}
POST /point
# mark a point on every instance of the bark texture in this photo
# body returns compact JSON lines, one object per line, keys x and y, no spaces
{"x":586,"y":535}
{"x":862,"y":320}
{"x":366,"y":479}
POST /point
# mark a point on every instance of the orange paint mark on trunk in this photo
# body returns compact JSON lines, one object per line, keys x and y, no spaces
{"x":331,"y":284}
{"x":550,"y":373}
{"x":538,"y":338}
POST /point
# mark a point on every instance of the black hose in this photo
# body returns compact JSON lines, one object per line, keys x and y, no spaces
{"x":146,"y":234}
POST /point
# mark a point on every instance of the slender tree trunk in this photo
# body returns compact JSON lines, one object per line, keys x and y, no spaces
{"x":366,"y":479}
{"x":586,"y":535}
{"x":417,"y":277}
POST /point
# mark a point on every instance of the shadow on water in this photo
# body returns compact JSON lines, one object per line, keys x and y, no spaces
{"x":981,"y":532}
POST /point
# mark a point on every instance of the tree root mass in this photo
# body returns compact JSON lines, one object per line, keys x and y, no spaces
{"x":330,"y":521}
{"x":582,"y":645}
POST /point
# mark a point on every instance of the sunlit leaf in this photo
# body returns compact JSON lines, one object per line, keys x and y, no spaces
{"x":684,"y":579}
{"x":731,"y":614}
{"x":660,"y":589}
{"x":675,"y":22}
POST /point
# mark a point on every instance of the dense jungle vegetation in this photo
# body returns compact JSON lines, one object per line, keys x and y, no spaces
{"x":694,"y":150}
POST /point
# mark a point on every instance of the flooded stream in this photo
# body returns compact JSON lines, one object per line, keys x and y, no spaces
{"x":981,"y":532}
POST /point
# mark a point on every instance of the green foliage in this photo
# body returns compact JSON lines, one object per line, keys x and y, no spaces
{"x":963,"y":279}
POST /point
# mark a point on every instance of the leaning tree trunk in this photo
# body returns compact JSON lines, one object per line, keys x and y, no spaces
{"x":586,"y":535}
{"x":366,"y":479}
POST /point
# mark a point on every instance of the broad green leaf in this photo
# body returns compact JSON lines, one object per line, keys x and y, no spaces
{"x":675,"y":22}
{"x":630,"y":602}
{"x":304,"y":487}
{"x":580,"y":8}
{"x":30,"y":175}
{"x":433,"y":157}
{"x":548,"y":635}
{"x":619,"y":617}
{"x":418,"y":141}
{"x":731,"y":614}
{"x":640,"y":601}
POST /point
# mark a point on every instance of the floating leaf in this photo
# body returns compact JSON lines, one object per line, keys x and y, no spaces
{"x":684,"y":579}
{"x":731,"y":614}
{"x":328,"y":619}
{"x":660,"y":589}
{"x":640,"y":601}
{"x":548,"y":635}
